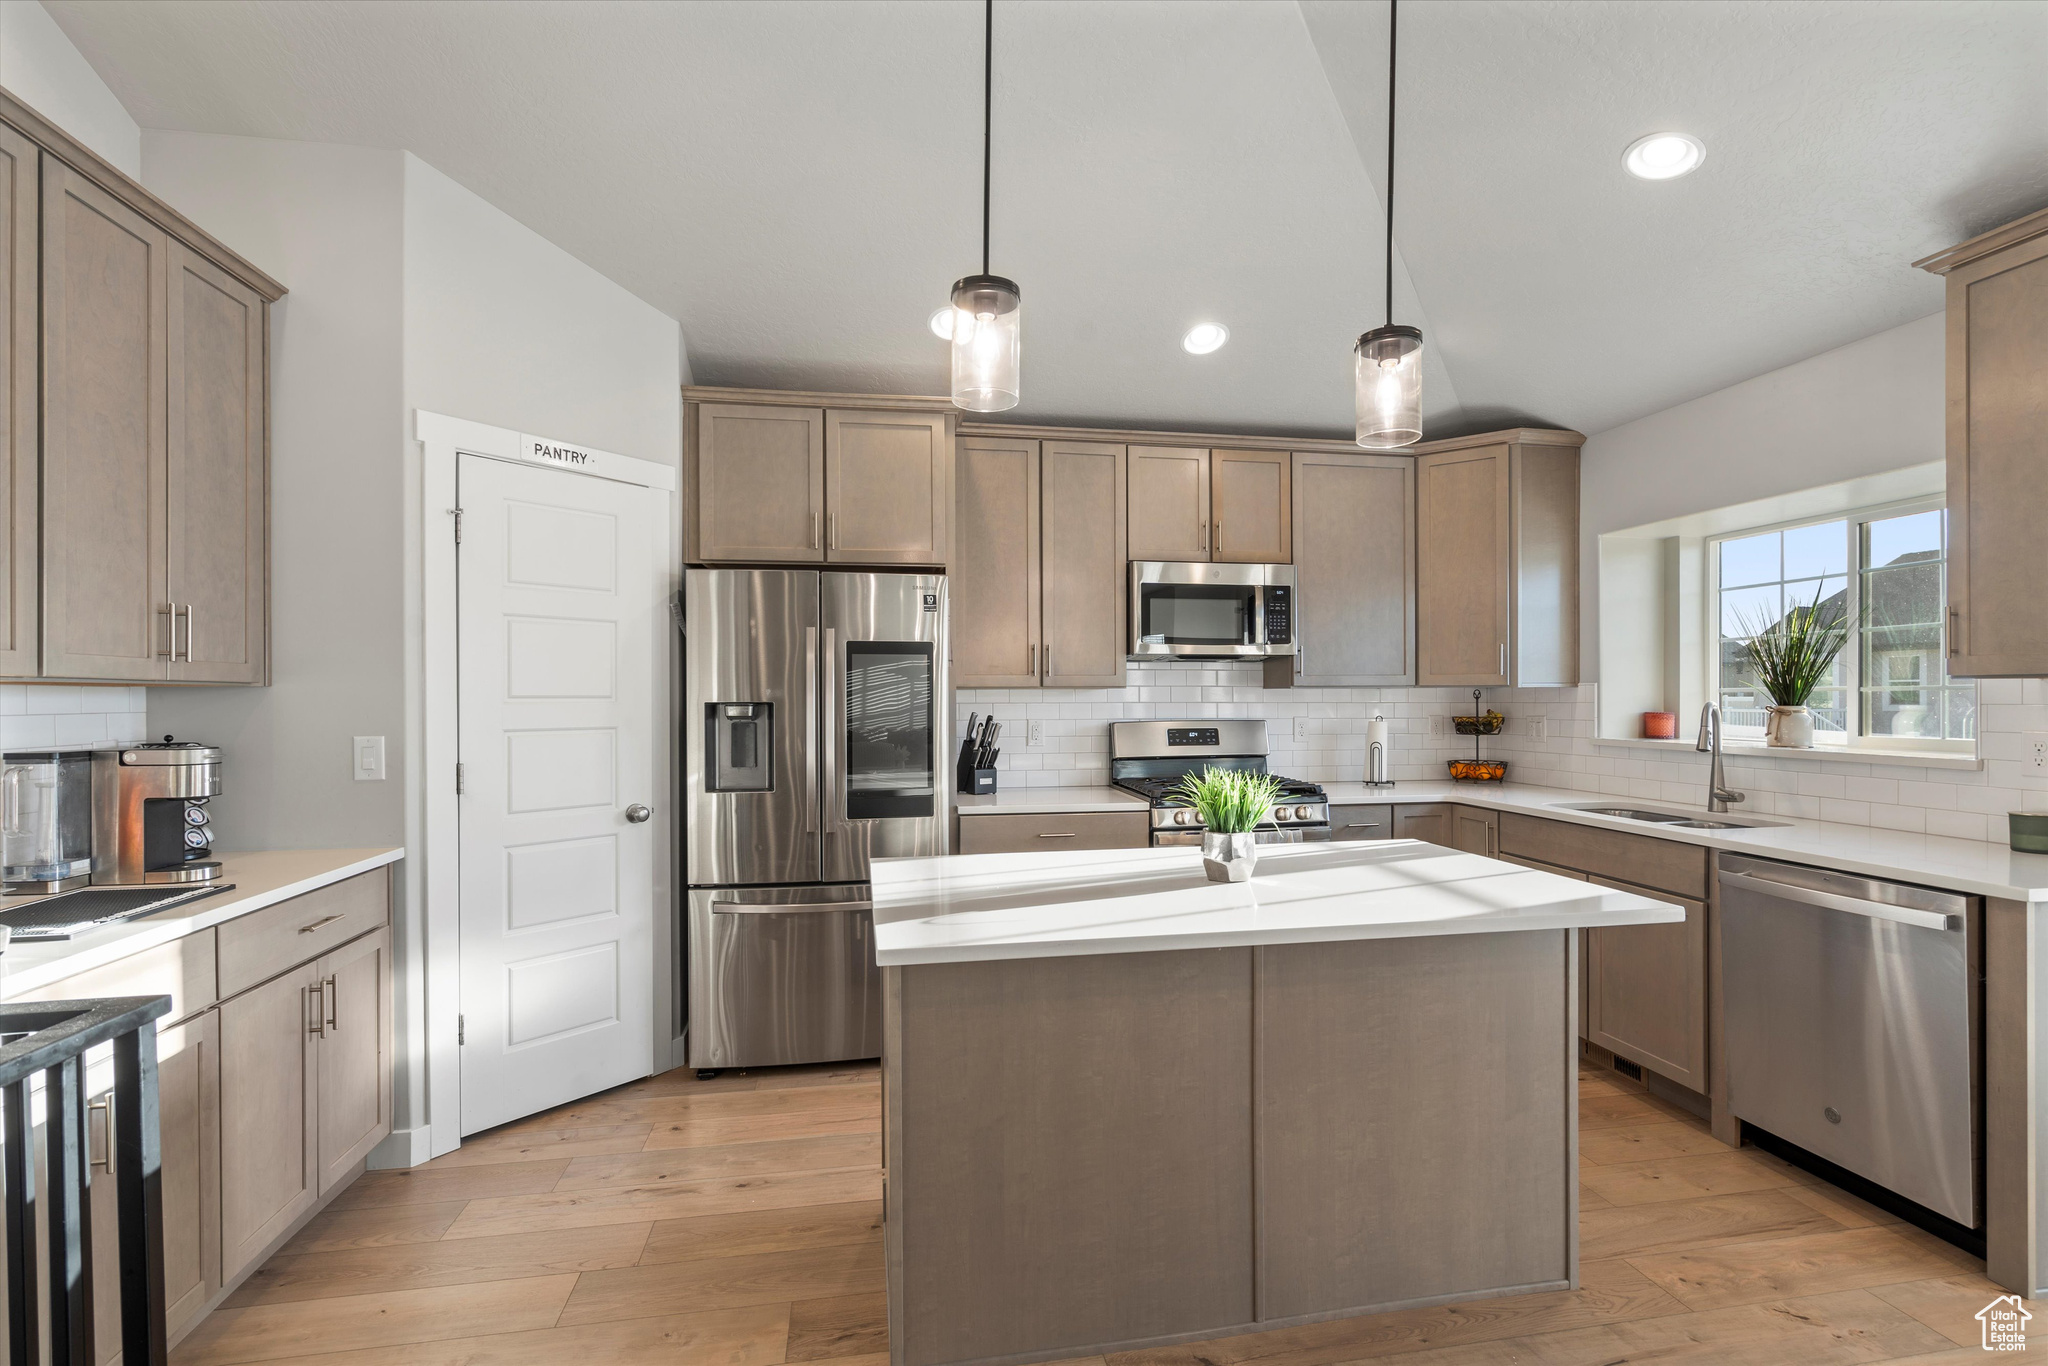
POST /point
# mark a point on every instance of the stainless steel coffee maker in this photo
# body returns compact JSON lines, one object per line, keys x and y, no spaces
{"x":45,"y":821}
{"x":149,"y":818}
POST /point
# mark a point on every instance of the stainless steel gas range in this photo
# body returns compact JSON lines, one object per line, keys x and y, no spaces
{"x":1150,"y":758}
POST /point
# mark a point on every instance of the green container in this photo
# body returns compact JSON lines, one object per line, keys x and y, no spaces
{"x":2029,"y":832}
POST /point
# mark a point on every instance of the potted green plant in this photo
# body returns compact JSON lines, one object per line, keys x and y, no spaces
{"x":1231,"y":803}
{"x":1790,"y":657}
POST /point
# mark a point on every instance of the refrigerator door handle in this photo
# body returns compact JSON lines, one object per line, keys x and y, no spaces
{"x":810,"y":729}
{"x":831,"y":750}
{"x":787,"y":908}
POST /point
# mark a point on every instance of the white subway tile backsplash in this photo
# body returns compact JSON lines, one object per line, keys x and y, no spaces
{"x":1964,"y":802}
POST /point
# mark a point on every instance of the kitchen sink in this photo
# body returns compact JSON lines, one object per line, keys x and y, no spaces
{"x":1679,"y":820}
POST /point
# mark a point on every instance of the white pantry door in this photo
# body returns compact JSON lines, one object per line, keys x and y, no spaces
{"x":559,"y":588}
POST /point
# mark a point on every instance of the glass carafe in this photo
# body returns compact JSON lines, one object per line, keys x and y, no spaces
{"x":45,"y":820}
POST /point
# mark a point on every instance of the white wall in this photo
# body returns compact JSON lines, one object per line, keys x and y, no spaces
{"x":1871,"y":406}
{"x":41,"y":67}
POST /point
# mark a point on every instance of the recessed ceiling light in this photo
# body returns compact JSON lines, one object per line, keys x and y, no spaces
{"x":1203,"y":338}
{"x":1662,"y":156}
{"x":942,"y":323}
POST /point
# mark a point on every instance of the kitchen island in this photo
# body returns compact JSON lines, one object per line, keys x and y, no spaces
{"x":1126,"y":1105}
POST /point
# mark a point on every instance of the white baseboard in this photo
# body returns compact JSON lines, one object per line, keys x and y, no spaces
{"x":403,"y":1148}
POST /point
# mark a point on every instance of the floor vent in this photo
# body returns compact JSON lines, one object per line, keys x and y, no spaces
{"x":1628,"y":1069}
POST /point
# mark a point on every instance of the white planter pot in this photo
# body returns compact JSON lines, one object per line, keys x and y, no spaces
{"x":1789,"y":728}
{"x":1229,"y":858}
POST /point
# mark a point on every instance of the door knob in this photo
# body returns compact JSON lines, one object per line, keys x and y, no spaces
{"x":639,"y":814}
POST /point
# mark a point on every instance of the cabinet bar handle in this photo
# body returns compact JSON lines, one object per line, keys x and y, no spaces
{"x":1064,"y":835}
{"x":106,"y":1162}
{"x":1219,"y":535}
{"x":1955,"y":621}
{"x":814,"y":531}
{"x":330,"y":992}
{"x":1503,"y":659}
{"x":832,"y":531}
{"x":1033,"y":670}
{"x":323,"y":920}
{"x":170,"y":609}
{"x":1205,"y":538}
{"x":1048,"y":661}
{"x":1363,"y":825}
{"x":317,"y":1026}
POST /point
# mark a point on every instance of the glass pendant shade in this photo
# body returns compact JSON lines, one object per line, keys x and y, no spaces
{"x":1388,"y":387}
{"x":988,"y":357}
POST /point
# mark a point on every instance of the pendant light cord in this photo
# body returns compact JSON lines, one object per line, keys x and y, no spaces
{"x":988,"y":87}
{"x":1393,"y":19}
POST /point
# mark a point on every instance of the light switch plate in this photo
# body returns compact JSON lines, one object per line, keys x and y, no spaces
{"x":369,"y":758}
{"x":1034,"y":733}
{"x":1438,"y":724}
{"x":1534,"y":726}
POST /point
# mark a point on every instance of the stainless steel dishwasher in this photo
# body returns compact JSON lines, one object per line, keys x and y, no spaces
{"x":1852,"y":1028}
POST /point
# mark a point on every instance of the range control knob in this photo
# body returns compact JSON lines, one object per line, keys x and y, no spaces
{"x":1301,"y":813}
{"x":1180,"y":818}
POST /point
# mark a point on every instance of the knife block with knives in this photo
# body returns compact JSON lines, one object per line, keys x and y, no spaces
{"x":977,"y":769}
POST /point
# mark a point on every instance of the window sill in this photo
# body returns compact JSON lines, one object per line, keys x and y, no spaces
{"x":1747,"y":750}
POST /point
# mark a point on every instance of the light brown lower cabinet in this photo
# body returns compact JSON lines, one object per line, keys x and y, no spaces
{"x":188,"y":1118}
{"x":1361,"y":822}
{"x":1021,"y":833}
{"x":1646,"y":990}
{"x":305,"y":1090}
{"x":1471,"y":829}
{"x":269,"y":1105}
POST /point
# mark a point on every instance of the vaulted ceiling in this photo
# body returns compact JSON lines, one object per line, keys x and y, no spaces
{"x":799,"y":183}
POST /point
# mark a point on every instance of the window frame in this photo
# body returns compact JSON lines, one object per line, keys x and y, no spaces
{"x":1854,"y":520}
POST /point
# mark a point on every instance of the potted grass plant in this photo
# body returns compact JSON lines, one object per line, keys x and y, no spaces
{"x":1790,"y":657}
{"x":1231,"y":803}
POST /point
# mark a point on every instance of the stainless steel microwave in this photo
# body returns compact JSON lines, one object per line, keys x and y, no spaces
{"x":1197,"y":610}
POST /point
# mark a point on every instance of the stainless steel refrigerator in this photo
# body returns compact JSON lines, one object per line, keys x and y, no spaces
{"x":814,"y":716}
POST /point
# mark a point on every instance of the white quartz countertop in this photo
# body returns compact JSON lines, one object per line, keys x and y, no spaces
{"x":1049,"y":801}
{"x":970,"y":908}
{"x":260,"y":879}
{"x":1979,"y":867}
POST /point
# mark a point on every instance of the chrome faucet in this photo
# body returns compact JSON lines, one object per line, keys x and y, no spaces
{"x":1718,"y":792}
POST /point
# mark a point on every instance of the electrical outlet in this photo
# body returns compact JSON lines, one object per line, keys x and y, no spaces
{"x":1034,"y":733}
{"x":1301,"y":728}
{"x":2037,"y":754}
{"x":1439,"y":724}
{"x":1535,"y":727}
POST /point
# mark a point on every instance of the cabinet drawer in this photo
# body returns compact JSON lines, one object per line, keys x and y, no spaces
{"x":1362,"y":822}
{"x":1083,"y":830}
{"x":182,"y":970}
{"x":1642,"y":859}
{"x":277,"y":938}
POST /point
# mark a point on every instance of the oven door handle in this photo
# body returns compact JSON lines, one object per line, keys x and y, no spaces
{"x":1853,"y":905}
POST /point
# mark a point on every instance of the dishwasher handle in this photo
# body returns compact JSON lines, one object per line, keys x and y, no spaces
{"x":1853,"y":905}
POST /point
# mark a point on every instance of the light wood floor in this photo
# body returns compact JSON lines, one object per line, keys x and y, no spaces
{"x":737,"y":1222}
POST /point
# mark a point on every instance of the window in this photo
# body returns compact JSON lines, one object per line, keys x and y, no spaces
{"x":1884,"y":570}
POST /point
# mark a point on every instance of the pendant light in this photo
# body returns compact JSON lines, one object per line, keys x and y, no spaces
{"x":1387,"y":381}
{"x":987,"y":313}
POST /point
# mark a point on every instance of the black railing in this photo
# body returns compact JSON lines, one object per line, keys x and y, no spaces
{"x":52,"y":1037}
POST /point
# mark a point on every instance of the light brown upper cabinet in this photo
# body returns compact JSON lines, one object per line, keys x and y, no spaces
{"x":141,"y":551}
{"x":1250,"y":513}
{"x":995,"y":576}
{"x":1231,"y":507}
{"x":1037,"y":581}
{"x":1082,"y":549}
{"x":794,"y":484}
{"x":888,"y":488}
{"x":1354,"y":566}
{"x":217,"y":486}
{"x":1169,"y":503}
{"x":19,"y":347}
{"x":1997,"y":449}
{"x":760,"y":483}
{"x":1497,"y":560}
{"x":106,"y":607}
